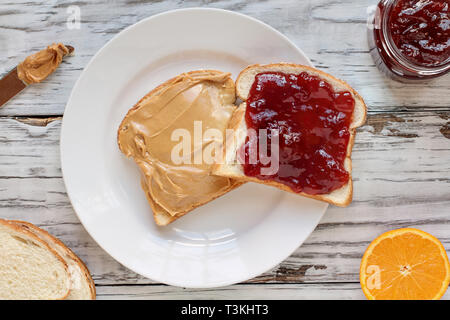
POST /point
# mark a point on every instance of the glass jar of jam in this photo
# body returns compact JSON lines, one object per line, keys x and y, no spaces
{"x":410,"y":39}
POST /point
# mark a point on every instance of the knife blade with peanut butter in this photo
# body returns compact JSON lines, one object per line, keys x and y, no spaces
{"x":34,"y":69}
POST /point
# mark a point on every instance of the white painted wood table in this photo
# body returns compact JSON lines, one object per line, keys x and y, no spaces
{"x":401,"y":156}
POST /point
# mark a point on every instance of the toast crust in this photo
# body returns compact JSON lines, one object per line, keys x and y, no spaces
{"x":87,"y":275}
{"x":238,"y":119}
{"x":31,"y":235}
{"x":163,"y":218}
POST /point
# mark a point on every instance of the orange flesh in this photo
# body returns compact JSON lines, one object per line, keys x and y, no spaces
{"x":412,"y":265}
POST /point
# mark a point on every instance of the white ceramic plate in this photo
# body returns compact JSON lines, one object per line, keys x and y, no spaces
{"x":234,"y":238}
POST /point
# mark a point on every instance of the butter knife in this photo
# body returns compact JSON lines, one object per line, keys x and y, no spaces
{"x":10,"y":85}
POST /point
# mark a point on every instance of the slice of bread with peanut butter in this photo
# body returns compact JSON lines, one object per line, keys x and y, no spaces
{"x":152,"y":129}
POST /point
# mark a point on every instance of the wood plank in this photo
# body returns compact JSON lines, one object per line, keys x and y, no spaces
{"x":401,"y":171}
{"x":235,"y":292}
{"x":329,"y":291}
{"x":332,"y":34}
{"x":30,"y":147}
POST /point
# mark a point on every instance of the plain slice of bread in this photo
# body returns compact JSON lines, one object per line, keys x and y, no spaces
{"x":29,"y":268}
{"x":82,"y":285}
{"x":233,"y":169}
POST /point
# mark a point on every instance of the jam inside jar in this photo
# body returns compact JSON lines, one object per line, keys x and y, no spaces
{"x":313,"y":123}
{"x":410,"y":39}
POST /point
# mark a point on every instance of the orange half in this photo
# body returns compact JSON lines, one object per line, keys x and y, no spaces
{"x":405,"y":264}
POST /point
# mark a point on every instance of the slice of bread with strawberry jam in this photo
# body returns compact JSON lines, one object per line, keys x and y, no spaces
{"x":316,"y":116}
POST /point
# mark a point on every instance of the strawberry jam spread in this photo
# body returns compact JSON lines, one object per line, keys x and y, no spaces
{"x":313,"y":124}
{"x":420,"y":30}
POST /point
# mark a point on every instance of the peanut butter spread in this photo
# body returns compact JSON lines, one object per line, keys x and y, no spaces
{"x":38,"y":66}
{"x":146,"y":135}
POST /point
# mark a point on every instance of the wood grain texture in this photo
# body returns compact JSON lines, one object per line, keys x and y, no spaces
{"x":401,"y":156}
{"x":331,"y":33}
{"x":402,"y":176}
{"x":326,"y":291}
{"x":244,"y":291}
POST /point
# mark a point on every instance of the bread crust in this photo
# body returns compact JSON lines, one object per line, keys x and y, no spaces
{"x":238,"y":117}
{"x":31,"y":235}
{"x":87,"y":275}
{"x":165,"y":219}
